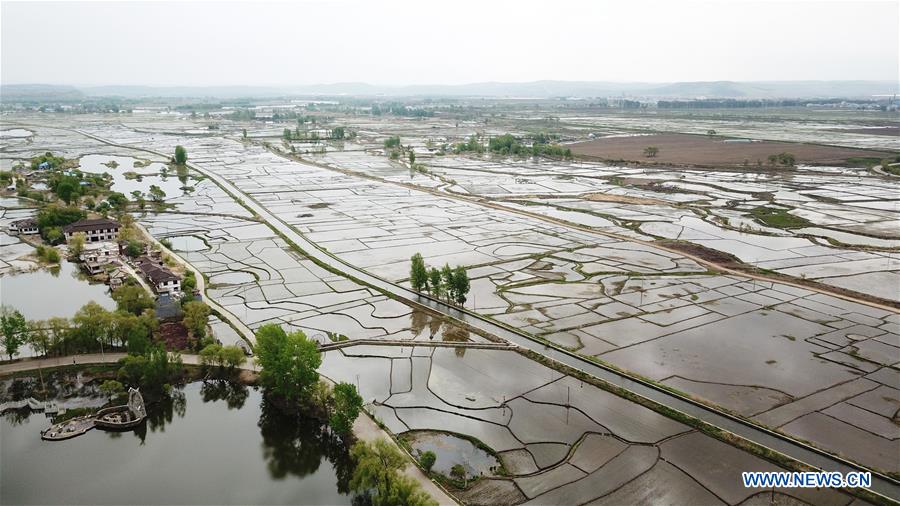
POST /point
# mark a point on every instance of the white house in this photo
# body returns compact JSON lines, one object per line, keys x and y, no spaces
{"x":102,"y":229}
{"x":27,"y":226}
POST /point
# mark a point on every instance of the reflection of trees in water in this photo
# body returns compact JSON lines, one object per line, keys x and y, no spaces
{"x":233,"y":393}
{"x":456,"y":335}
{"x":417,"y":321}
{"x":295,"y":445}
{"x":161,"y":411}
{"x":17,"y":416}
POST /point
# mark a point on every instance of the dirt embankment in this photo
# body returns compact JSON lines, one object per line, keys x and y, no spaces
{"x":700,"y":150}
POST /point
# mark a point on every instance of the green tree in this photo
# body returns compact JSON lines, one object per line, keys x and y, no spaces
{"x":133,"y":299}
{"x":233,"y":356}
{"x":392,"y":142}
{"x":13,"y":327}
{"x":93,"y":325}
{"x":180,"y":155}
{"x":287,"y":134}
{"x":210,"y":355}
{"x":458,"y":472}
{"x":412,"y":158}
{"x":118,"y":201}
{"x":378,"y":466}
{"x":67,"y":191}
{"x":651,"y":151}
{"x":418,"y":273}
{"x":461,"y":284}
{"x":244,"y":133}
{"x":52,"y":255}
{"x":112,"y":388}
{"x":288,"y":362}
{"x":338,"y":133}
{"x":347,"y":405}
{"x":76,"y":244}
{"x":435,"y":284}
{"x":156,"y":193}
{"x":196,"y":315}
{"x":427,"y":459}
{"x":38,"y":336}
{"x":448,"y":283}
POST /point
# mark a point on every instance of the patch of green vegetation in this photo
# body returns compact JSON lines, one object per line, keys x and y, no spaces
{"x":778,"y":217}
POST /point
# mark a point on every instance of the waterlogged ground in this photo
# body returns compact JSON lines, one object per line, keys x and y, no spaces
{"x":556,"y":254}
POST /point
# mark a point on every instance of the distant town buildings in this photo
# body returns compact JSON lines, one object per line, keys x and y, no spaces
{"x":102,"y":229}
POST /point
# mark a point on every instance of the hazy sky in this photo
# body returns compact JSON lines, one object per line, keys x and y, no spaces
{"x":445,"y":42}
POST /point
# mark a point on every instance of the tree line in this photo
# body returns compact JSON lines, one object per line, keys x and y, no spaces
{"x":449,"y":283}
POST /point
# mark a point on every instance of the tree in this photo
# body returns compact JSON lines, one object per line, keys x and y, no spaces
{"x":233,"y":356}
{"x":288,"y":362}
{"x":180,"y":155}
{"x":458,"y":472}
{"x":244,"y":133}
{"x":461,"y":284}
{"x":133,"y":299}
{"x":38,"y":336}
{"x":196,"y":315}
{"x":378,"y":466}
{"x":418,"y":273}
{"x":287,"y":134}
{"x":773,"y":159}
{"x":427,"y":459}
{"x":449,"y":285}
{"x":93,"y":324}
{"x":210,"y":354}
{"x":338,"y":133}
{"x":412,"y":158}
{"x":67,"y":191}
{"x":156,"y":193}
{"x":786,"y":159}
{"x":13,"y":327}
{"x":347,"y":404}
{"x":134,"y":248}
{"x":189,"y":283}
{"x":76,"y":244}
{"x":112,"y":388}
{"x":435,"y":286}
{"x":651,"y":151}
{"x":118,"y":201}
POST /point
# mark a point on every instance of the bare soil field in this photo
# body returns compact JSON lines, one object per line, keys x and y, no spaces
{"x":685,"y":149}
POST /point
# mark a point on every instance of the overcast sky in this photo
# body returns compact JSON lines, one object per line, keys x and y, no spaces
{"x":445,"y":42}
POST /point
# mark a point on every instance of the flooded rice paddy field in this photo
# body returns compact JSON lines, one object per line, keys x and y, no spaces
{"x":813,"y":365}
{"x":561,"y":441}
{"x":258,"y":278}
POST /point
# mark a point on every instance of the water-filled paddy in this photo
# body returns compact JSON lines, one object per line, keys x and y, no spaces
{"x":57,"y":291}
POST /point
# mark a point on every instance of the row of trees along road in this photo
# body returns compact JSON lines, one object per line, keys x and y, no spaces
{"x":452,"y":284}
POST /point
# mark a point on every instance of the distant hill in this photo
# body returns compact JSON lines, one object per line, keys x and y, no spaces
{"x":534,"y":89}
{"x":39,"y":93}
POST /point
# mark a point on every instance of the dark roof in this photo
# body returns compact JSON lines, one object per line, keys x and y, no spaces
{"x":155,"y":273}
{"x":88,"y":225}
{"x":25,"y":223}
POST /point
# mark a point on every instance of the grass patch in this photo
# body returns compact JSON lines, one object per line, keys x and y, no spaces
{"x":778,"y":218}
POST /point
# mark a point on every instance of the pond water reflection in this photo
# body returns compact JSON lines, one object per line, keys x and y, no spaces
{"x":171,"y":184}
{"x":57,"y":291}
{"x":211,"y":442}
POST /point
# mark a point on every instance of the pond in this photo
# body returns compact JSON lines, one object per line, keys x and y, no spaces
{"x":187,"y":243}
{"x":212,"y":442}
{"x":451,"y":450}
{"x":57,"y":291}
{"x":171,"y":185}
{"x":15,"y":133}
